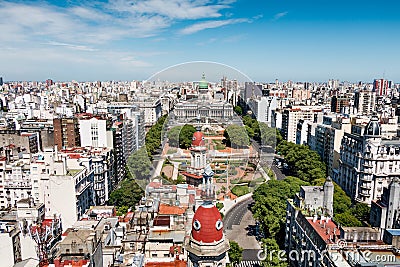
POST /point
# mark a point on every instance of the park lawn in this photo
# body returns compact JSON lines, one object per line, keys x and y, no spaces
{"x":240,"y":190}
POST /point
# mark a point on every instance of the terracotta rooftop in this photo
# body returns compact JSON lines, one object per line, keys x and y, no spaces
{"x":192,"y":175}
{"x":170,"y":210}
{"x":325,"y":229}
{"x":176,"y":263}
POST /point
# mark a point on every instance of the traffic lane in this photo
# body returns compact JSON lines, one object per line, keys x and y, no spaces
{"x":235,"y":215}
{"x":278,"y":173}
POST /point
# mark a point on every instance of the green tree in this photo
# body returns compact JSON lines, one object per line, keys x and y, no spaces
{"x":186,"y":135}
{"x":180,"y":179}
{"x":347,"y":219}
{"x":139,"y":164}
{"x":361,"y":211}
{"x":270,"y":204}
{"x":235,"y":253}
{"x":173,"y":136}
{"x":236,"y":136}
{"x":127,"y":194}
{"x":153,"y":136}
{"x":273,"y":256}
{"x":341,"y":201}
{"x":268,"y":135}
{"x":238,"y":110}
{"x":303,"y":162}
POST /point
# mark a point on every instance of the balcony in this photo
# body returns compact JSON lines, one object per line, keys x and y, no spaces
{"x":18,"y":186}
{"x":365,"y":194}
{"x":365,"y":165}
{"x":366,"y":186}
{"x":366,"y":179}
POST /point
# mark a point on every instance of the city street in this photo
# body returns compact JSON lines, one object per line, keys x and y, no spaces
{"x":240,"y":227}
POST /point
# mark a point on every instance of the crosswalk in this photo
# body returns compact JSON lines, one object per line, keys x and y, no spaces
{"x":249,"y":264}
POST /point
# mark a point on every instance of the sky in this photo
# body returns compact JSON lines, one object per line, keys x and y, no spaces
{"x":264,"y":39}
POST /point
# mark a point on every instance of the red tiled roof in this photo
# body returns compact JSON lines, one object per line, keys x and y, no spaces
{"x":192,"y":175}
{"x":322,"y":228}
{"x":176,"y":263}
{"x":170,"y":210}
{"x":154,"y":185}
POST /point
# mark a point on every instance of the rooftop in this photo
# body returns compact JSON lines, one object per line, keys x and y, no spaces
{"x":170,"y":210}
{"x":325,"y":229}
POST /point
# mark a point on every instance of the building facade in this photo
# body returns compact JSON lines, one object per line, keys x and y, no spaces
{"x":368,"y":163}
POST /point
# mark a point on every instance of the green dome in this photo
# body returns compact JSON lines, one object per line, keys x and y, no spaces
{"x":203,"y":83}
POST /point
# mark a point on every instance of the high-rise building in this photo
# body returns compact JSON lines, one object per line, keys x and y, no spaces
{"x":93,"y":131}
{"x":338,"y":103}
{"x":292,"y":116}
{"x":66,"y":132}
{"x":49,"y":82}
{"x":364,"y":102}
{"x":381,"y":87}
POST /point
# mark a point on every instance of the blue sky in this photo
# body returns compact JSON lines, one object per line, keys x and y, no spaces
{"x":265,"y":39}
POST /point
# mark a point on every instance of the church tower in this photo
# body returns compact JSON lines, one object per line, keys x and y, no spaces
{"x":207,"y":245}
{"x":198,"y":150}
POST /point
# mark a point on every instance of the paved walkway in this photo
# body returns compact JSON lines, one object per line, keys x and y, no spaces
{"x":175,"y":171}
{"x":243,"y":233}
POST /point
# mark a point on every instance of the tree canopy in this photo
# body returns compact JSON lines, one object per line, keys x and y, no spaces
{"x":127,"y":195}
{"x":140,"y":164}
{"x":270,"y":204}
{"x":268,"y":135}
{"x":236,"y":136}
{"x":186,"y":135}
{"x":173,"y":136}
{"x":235,"y":253}
{"x":238,"y":110}
{"x":153,"y":137}
{"x":302,"y":161}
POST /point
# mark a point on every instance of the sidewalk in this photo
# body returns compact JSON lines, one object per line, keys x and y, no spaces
{"x":229,"y":204}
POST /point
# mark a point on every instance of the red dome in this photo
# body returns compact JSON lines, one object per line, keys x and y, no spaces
{"x":207,"y":225}
{"x":198,"y":139}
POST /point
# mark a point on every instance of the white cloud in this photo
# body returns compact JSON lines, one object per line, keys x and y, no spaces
{"x":172,"y":9}
{"x":210,"y":25}
{"x":99,"y":22}
{"x":35,"y":35}
{"x":72,"y":46}
{"x":280,"y":15}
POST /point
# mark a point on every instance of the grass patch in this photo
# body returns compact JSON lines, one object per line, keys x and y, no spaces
{"x":240,"y":190}
{"x":219,"y":205}
{"x":172,"y":151}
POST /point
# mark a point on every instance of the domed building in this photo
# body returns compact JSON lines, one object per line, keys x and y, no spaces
{"x":207,"y":245}
{"x":203,"y":106}
{"x":368,"y":162}
{"x":203,"y":85}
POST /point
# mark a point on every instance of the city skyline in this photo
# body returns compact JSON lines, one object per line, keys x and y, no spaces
{"x":126,"y":40}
